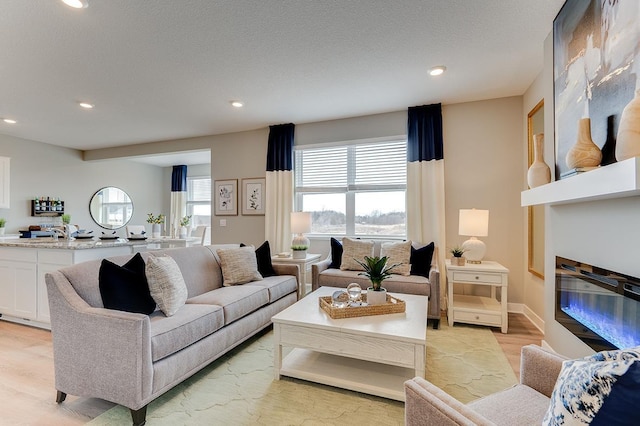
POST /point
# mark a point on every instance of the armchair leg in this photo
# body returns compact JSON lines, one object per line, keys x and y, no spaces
{"x":60,"y":397}
{"x":436,"y":324}
{"x":139,"y":417}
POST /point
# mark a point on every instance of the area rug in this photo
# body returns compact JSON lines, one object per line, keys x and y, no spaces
{"x":239,"y":388}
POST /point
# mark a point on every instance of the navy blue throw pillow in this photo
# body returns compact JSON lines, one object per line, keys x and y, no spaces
{"x":263,"y":257}
{"x":125,"y":288}
{"x":336,"y":254}
{"x":421,"y":260}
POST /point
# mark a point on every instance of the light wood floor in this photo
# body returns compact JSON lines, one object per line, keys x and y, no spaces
{"x":27,"y":389}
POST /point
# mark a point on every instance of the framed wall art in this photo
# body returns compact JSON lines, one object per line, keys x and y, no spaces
{"x":253,"y":196}
{"x":596,"y":60}
{"x":226,"y":202}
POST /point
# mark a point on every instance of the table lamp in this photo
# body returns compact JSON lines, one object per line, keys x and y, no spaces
{"x":474,"y":223}
{"x":300,"y":224}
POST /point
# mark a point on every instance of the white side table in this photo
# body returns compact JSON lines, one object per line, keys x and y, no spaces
{"x":303,"y":264}
{"x":478,"y":309}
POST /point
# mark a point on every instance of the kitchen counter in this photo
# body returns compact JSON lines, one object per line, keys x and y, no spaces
{"x":83,"y":244}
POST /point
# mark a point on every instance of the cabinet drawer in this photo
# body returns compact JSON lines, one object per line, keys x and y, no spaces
{"x":477,"y":317}
{"x":19,"y":254}
{"x":55,"y":257}
{"x":480,"y":277}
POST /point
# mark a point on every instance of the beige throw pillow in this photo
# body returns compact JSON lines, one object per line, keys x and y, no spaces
{"x":166,"y":284}
{"x":239,"y":265}
{"x":398,"y":253}
{"x":354,"y":249}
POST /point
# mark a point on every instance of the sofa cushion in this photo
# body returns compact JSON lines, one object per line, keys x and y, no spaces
{"x":199,"y":267}
{"x":278,"y":286}
{"x":189,"y":324}
{"x":517,"y":405}
{"x":125,"y":287}
{"x":336,"y":253}
{"x":411,"y":284}
{"x":236,"y":301}
{"x":602,"y":389}
{"x":166,"y":283}
{"x":421,"y":259}
{"x":397,"y":254}
{"x":263,"y":258}
{"x":352,"y":250}
{"x":239,"y":265}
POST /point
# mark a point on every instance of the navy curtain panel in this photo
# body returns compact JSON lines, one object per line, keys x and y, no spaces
{"x":179,"y":179}
{"x":280,"y":147}
{"x":424,"y":133}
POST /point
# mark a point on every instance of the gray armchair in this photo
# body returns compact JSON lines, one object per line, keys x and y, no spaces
{"x":523,"y":404}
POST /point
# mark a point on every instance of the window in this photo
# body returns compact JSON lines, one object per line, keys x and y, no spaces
{"x":357,"y":189}
{"x":199,"y":200}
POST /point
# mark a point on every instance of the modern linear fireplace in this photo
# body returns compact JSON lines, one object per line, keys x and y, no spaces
{"x":599,"y":306}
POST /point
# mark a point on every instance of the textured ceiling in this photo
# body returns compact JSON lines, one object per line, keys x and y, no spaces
{"x":167,"y":69}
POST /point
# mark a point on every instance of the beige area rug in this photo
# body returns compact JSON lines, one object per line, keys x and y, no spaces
{"x":239,"y":389}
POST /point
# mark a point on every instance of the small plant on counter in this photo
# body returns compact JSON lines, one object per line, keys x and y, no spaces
{"x":185,"y":221}
{"x":66,"y":219}
{"x":159,"y":220}
{"x":377,"y":270}
{"x":457,"y":251}
{"x":3,"y":222}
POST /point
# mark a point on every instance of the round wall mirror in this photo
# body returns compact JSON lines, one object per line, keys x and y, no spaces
{"x":111,"y":207}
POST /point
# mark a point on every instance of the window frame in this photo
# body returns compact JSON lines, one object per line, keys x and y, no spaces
{"x":190,"y":204}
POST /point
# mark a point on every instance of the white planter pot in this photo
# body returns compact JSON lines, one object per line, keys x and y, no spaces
{"x":156,"y":230}
{"x":376,"y":297}
{"x":299,"y":254}
{"x":184,"y":231}
{"x":2,"y":231}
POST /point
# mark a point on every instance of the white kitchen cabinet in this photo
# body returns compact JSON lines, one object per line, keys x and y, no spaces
{"x":18,"y":284}
{"x":4,"y":182}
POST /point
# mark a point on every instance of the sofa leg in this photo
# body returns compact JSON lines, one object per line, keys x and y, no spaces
{"x":139,"y":416}
{"x":436,"y":324}
{"x":60,"y":397}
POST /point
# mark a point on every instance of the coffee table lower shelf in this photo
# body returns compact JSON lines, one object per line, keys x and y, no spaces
{"x":367,"y":377}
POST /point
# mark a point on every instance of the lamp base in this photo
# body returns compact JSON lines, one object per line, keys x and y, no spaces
{"x":474,"y":250}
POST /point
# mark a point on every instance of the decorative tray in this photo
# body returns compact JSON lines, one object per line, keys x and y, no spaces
{"x":393,"y":306}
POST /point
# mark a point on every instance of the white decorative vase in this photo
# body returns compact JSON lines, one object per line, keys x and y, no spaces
{"x":585,"y":153}
{"x":299,"y":254}
{"x":2,"y":231}
{"x":539,"y":173}
{"x":628,"y":140}
{"x":184,"y":231}
{"x":376,"y":297}
{"x":156,"y":230}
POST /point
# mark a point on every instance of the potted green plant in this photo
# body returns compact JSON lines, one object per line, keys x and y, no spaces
{"x":184,"y":226}
{"x":66,"y":219}
{"x":377,"y":270}
{"x":457,"y":258}
{"x":299,"y":251}
{"x":156,"y":224}
{"x":3,"y":222}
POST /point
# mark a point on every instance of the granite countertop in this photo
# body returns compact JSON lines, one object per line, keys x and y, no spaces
{"x":50,"y":243}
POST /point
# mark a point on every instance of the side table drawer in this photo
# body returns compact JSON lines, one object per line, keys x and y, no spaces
{"x":477,"y":317}
{"x":481,"y":277}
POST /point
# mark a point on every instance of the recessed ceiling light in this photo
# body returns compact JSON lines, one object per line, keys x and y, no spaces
{"x":9,"y":121}
{"x":76,"y":4}
{"x":237,"y":104}
{"x":438,"y":70}
{"x":86,"y":105}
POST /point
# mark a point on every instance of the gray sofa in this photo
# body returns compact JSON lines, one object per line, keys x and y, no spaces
{"x":129,"y":358}
{"x":522,"y":404}
{"x":324,"y":275}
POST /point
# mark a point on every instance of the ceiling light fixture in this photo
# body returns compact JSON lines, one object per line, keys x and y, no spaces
{"x":86,"y":105}
{"x":438,"y":70}
{"x":9,"y":121}
{"x":76,"y":4}
{"x":237,"y":104}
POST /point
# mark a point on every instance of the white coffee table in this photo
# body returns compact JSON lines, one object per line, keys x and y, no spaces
{"x":373,"y":354}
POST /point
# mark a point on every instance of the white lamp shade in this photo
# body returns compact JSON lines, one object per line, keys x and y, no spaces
{"x":300,"y":222}
{"x":473,"y":223}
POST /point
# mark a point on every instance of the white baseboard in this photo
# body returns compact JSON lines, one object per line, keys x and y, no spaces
{"x":520,"y":308}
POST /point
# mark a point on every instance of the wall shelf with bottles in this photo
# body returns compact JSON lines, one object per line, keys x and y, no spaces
{"x":47,"y":206}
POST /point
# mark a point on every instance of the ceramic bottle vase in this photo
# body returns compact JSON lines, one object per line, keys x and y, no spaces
{"x":584,"y":153}
{"x":539,"y":173}
{"x":628,"y":140}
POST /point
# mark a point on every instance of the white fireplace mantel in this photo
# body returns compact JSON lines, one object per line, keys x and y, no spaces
{"x":618,"y":180}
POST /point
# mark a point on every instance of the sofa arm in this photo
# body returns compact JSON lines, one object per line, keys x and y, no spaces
{"x":539,"y":368}
{"x":287,"y":269}
{"x":316,"y":268}
{"x":427,"y":404}
{"x":98,"y":352}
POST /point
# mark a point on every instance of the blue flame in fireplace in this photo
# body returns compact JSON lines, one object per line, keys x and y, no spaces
{"x":604,"y":325}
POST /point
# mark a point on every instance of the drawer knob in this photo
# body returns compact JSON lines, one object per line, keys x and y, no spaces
{"x":477,"y":317}
{"x":477,"y":277}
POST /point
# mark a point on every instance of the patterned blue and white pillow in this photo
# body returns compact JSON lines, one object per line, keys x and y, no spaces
{"x":601,"y":389}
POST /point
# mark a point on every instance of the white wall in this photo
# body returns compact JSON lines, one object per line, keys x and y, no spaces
{"x":39,"y":169}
